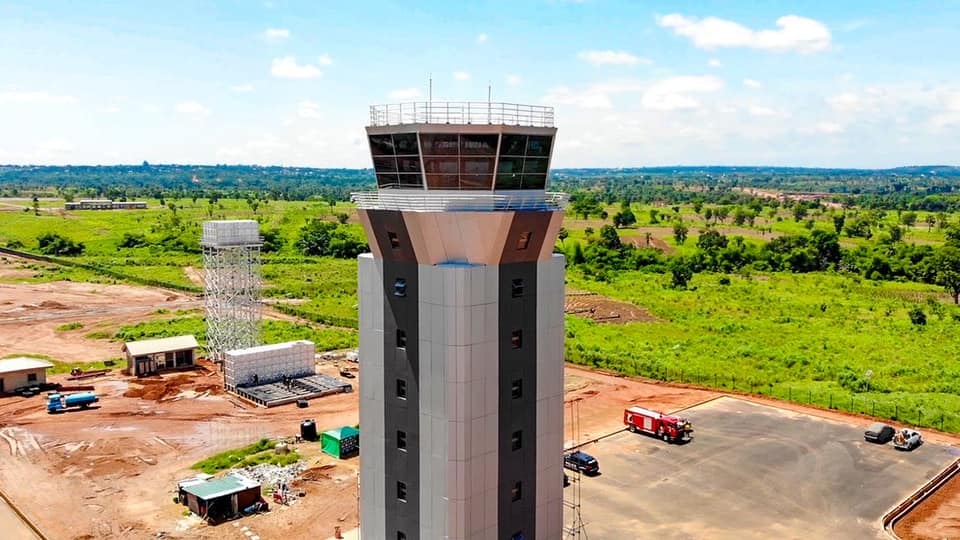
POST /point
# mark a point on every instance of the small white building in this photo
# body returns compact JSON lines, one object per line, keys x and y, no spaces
{"x":154,"y":355}
{"x":21,"y":372}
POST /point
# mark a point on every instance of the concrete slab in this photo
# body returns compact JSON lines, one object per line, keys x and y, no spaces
{"x":752,"y":471}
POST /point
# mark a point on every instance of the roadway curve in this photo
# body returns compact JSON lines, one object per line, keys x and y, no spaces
{"x":14,"y":527}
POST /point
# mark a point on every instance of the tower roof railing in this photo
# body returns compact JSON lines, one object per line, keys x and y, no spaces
{"x":461,"y":112}
{"x":412,"y":200}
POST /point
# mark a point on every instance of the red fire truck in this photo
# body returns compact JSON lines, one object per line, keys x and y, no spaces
{"x":669,"y":428}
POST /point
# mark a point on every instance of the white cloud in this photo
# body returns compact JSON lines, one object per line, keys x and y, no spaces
{"x":714,"y":63}
{"x":35,"y":98}
{"x":191,"y":107}
{"x":276,"y":34}
{"x":309,"y":109}
{"x":325,"y":60}
{"x":794,"y":33}
{"x":589,"y":99}
{"x":752,"y":83}
{"x":461,"y":75}
{"x":760,"y":110}
{"x":482,"y":38}
{"x":844,"y":102}
{"x":830,"y":128}
{"x":405,"y":94}
{"x":242,"y":88}
{"x":288,"y":68}
{"x":514,"y":80}
{"x":608,"y":57}
{"x":675,"y":93}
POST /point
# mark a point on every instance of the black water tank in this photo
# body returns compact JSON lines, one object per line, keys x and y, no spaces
{"x":308,"y":430}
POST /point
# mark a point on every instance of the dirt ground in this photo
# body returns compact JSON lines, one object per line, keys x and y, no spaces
{"x":31,"y":312}
{"x":120,"y":461}
{"x":602,"y":309}
{"x":937,"y":517}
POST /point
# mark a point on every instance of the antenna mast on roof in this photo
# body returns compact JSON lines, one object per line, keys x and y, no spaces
{"x":489,"y":98}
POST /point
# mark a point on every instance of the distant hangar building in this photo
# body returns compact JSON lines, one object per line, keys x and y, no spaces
{"x":22,"y":372}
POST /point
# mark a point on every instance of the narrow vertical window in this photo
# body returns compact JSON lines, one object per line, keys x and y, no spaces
{"x":400,"y":288}
{"x":401,"y":338}
{"x":401,"y":389}
{"x":516,"y":389}
{"x":516,"y":339}
{"x":523,"y":241}
{"x":516,"y":440}
{"x":394,"y":239}
{"x":401,"y":440}
{"x":401,"y":492}
{"x":516,"y":288}
{"x":401,"y":536}
{"x":516,"y":493}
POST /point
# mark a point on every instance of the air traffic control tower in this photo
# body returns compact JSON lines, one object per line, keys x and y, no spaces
{"x":461,"y":325}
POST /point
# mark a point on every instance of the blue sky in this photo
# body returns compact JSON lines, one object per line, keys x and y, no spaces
{"x":862,"y":84}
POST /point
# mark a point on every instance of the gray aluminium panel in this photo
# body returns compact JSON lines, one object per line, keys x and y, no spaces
{"x":401,"y":313}
{"x":517,"y":313}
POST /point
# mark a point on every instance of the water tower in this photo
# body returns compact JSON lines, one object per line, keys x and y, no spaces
{"x":461,"y":325}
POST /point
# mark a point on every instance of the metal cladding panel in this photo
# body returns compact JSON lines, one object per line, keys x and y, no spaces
{"x":468,"y":237}
{"x":533,"y":226}
{"x":517,"y":362}
{"x":372,"y":465}
{"x":550,"y":334}
{"x":401,"y":363}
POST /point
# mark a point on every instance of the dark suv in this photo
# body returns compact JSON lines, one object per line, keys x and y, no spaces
{"x":878,"y":433}
{"x":580,"y":461}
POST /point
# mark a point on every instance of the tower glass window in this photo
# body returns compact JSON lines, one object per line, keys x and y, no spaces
{"x":516,"y":440}
{"x":516,"y":288}
{"x":401,"y":338}
{"x":516,"y":389}
{"x":401,"y":491}
{"x":401,"y":389}
{"x":516,"y":493}
{"x":516,"y":339}
{"x":400,"y":288}
{"x":523,"y":241}
{"x":394,"y":239}
{"x":401,"y":439}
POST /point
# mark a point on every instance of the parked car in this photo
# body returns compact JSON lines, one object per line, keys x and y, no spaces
{"x":583,"y":462}
{"x":907,"y":439}
{"x":879,"y":433}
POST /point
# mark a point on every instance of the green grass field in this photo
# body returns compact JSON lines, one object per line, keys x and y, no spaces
{"x":826,"y":339}
{"x":805,"y":337}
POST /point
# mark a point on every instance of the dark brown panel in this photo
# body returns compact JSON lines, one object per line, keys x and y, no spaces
{"x":442,"y":181}
{"x":390,"y":234}
{"x":476,"y":165}
{"x":478,"y":144}
{"x":439,"y":144}
{"x":525,"y":238}
{"x":476,"y":181}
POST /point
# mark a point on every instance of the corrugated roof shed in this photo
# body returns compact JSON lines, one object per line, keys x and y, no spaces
{"x":232,"y":483}
{"x":153,"y":346}
{"x":22,"y":363}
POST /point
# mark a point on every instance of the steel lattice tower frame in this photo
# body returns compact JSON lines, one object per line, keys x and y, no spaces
{"x":233,"y":286}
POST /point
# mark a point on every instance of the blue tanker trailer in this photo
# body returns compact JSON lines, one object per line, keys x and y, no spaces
{"x":58,"y":402}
